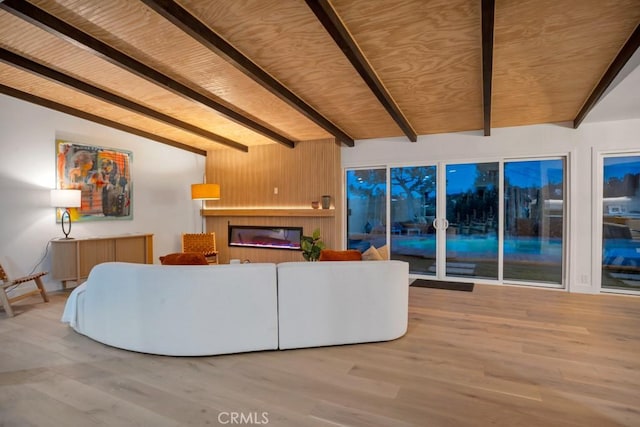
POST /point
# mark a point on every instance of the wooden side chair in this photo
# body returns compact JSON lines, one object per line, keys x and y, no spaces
{"x":205,"y":243}
{"x":7,"y":284}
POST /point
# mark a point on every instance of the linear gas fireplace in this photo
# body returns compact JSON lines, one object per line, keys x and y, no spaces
{"x":250,"y":236}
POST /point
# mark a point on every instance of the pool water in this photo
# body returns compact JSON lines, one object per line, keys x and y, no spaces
{"x":518,"y":248}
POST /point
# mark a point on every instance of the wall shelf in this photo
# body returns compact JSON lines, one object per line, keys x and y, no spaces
{"x":269,"y":212}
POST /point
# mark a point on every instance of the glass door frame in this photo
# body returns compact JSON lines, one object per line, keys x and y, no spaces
{"x":597,"y":220}
{"x":345,"y":202}
{"x":390,"y":208}
{"x":568,"y":213}
{"x":441,"y":232}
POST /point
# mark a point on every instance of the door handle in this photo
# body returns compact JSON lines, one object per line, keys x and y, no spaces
{"x":440,"y":223}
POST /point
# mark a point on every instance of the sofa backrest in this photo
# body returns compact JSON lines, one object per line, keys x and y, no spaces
{"x":341,"y":302}
{"x":182,"y":309}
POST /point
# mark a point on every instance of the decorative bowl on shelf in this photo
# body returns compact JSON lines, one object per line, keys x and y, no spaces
{"x":315,"y":205}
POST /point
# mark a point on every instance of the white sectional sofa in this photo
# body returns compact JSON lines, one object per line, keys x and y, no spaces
{"x":188,"y":310}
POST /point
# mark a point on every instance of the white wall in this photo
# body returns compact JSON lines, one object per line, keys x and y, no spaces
{"x":524,"y":141}
{"x":161,"y":177}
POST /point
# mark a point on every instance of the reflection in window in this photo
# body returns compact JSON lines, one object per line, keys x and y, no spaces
{"x":413,"y":209}
{"x":534,"y":220}
{"x":621,"y":223}
{"x":366,"y":208}
{"x":472,"y":207}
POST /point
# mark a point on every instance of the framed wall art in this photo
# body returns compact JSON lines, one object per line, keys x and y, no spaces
{"x":102,"y":174}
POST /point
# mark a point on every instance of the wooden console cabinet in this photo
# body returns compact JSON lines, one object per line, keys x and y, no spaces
{"x":73,"y":259}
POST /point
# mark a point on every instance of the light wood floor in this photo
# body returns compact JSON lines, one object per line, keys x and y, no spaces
{"x":500,"y":356}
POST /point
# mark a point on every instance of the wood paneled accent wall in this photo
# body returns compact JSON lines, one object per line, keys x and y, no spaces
{"x":247,"y":181}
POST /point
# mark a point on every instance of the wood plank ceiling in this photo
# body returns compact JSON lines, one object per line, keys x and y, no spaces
{"x":204,"y":75}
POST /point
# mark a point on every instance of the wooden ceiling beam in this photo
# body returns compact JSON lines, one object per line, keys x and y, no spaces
{"x":189,"y":24}
{"x":28,"y":65}
{"x":52,"y":24}
{"x":336,"y":29}
{"x":488,"y":14}
{"x":618,"y":63}
{"x":47,"y":103}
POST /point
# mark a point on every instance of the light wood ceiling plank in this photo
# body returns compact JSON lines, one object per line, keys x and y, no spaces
{"x":15,"y":93}
{"x":41,"y":19}
{"x":29,"y":41}
{"x":550,"y":54}
{"x":428,"y":55}
{"x":38,"y":86}
{"x":104,"y":95}
{"x":188,"y":23}
{"x":287,"y":41}
{"x":134,"y":29}
{"x":340,"y":34}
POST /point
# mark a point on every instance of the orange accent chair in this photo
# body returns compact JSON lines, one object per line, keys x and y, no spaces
{"x":204,"y":243}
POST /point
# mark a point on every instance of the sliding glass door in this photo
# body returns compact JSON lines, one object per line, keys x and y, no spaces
{"x":472,"y":207}
{"x":496,"y":221}
{"x":413,"y":211}
{"x":621,"y":223}
{"x":366,"y":208}
{"x":466,"y":227}
{"x":534,"y":220}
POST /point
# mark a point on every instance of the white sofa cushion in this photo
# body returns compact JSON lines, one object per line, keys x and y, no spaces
{"x":341,"y":302}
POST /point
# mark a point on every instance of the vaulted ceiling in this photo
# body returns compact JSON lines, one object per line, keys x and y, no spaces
{"x":204,"y":75}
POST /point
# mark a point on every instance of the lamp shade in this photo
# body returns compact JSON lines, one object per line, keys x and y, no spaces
{"x":66,"y":198}
{"x":205,"y":191}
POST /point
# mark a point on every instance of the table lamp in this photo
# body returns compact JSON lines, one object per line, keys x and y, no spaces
{"x":66,"y":199}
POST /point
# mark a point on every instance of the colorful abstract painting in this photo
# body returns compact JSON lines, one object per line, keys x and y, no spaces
{"x":102,"y":174}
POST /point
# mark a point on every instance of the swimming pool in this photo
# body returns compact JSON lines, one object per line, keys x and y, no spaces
{"x":477,"y":247}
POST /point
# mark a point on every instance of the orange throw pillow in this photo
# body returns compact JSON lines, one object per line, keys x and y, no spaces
{"x":348,"y":255}
{"x":184,"y":258}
